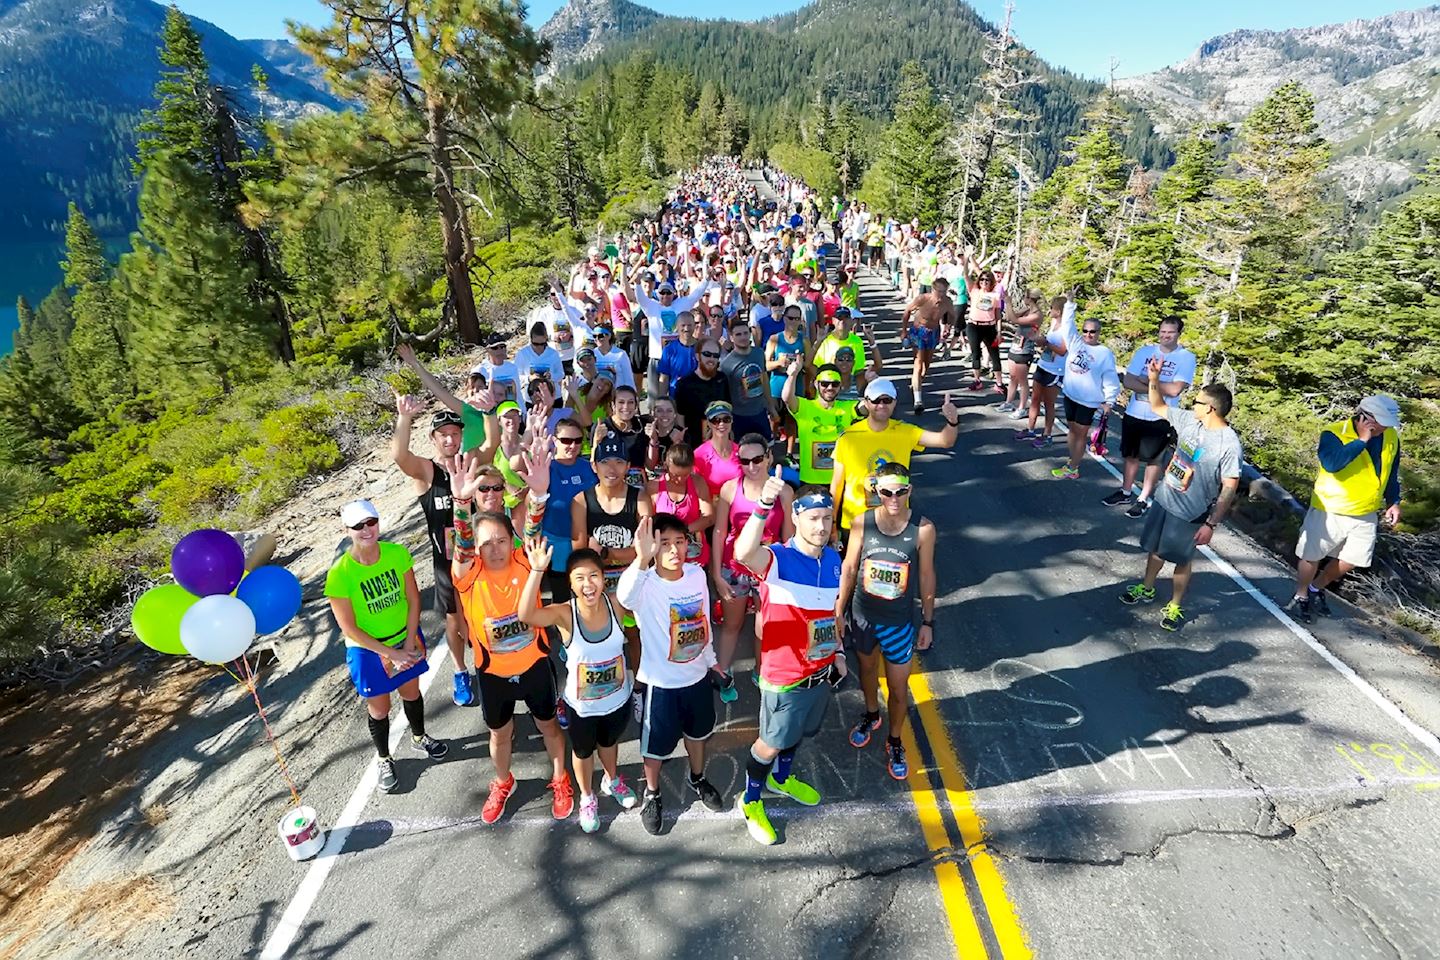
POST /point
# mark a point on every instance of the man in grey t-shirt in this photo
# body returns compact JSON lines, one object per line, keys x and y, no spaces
{"x":744,"y":368}
{"x":1194,"y":494}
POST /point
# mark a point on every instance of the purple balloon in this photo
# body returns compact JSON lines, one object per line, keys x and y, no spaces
{"x":207,"y":562}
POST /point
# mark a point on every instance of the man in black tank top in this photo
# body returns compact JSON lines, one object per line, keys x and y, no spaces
{"x":431,"y":483}
{"x":890,"y":561}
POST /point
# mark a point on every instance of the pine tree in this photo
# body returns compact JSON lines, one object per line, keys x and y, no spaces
{"x":915,"y":167}
{"x":97,"y":357}
{"x":36,"y":414}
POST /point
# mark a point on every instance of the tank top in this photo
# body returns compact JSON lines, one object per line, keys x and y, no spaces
{"x":597,"y":680}
{"x":740,"y":509}
{"x":613,"y":530}
{"x":985,"y":306}
{"x":514,"y":483}
{"x":439,"y":515}
{"x":687,"y":508}
{"x":888,"y":584}
{"x":784,"y":348}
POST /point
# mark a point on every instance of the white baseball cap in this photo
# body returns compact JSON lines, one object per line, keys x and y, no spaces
{"x":1383,"y":408}
{"x":357,"y":512}
{"x":881,"y":387}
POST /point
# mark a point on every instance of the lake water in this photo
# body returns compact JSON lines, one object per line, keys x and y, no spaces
{"x":30,"y":269}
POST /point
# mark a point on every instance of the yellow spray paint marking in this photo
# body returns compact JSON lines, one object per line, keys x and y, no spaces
{"x":1003,"y":918}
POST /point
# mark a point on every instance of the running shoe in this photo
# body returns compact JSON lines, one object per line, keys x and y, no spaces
{"x":562,"y":715}
{"x":463,"y":694}
{"x":708,"y":795}
{"x":619,"y":790}
{"x":388,"y":780}
{"x":895,"y":760}
{"x":725,"y":683}
{"x":794,"y":788}
{"x":756,"y":822}
{"x":860,"y":733}
{"x":1032,"y":433}
{"x":652,"y":814}
{"x":1042,"y":441}
{"x":1137,"y":509}
{"x":1318,"y":602}
{"x":1120,"y":498}
{"x":1019,"y":414}
{"x":495,"y":803}
{"x":1065,"y":472}
{"x":428,"y":745}
{"x":563,"y":804}
{"x":1006,"y":407}
{"x":976,"y":385}
{"x":590,"y":813}
{"x":1299,"y":608}
{"x":919,"y":409}
{"x":1172,"y":616}
{"x":1137,"y":593}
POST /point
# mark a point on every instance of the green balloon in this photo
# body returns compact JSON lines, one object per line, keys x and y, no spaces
{"x":157,"y":615}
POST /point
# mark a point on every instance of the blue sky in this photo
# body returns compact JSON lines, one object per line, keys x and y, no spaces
{"x":1078,"y":36}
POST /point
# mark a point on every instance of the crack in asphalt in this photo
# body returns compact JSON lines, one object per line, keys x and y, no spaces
{"x":945,"y":855}
{"x":1268,"y":809}
{"x":1332,"y":880}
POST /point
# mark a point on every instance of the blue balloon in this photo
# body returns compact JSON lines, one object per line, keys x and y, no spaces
{"x":273,"y":594}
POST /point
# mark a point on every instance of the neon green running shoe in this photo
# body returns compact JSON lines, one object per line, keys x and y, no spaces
{"x":794,"y":788}
{"x":1138,"y":593}
{"x":756,"y":821}
{"x":1172,"y":616}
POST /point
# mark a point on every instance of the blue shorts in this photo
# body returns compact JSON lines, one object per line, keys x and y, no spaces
{"x":369,"y":674}
{"x":667,"y":714}
{"x":896,"y":641}
{"x":922,"y":338}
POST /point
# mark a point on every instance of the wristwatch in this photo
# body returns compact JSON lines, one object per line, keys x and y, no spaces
{"x":928,"y":623}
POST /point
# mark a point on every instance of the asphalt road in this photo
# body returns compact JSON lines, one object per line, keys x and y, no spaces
{"x":1084,"y":784}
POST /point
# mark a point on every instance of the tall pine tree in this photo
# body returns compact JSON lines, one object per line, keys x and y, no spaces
{"x":98,"y":355}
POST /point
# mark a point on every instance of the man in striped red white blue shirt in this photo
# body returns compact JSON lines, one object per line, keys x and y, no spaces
{"x":799,"y":585}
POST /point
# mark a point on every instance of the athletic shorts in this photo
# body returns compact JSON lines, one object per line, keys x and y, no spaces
{"x":498,"y":695}
{"x":790,"y":716}
{"x":751,"y":423}
{"x":896,"y":642}
{"x":741,"y":584}
{"x":1079,"y":413}
{"x":587,"y":733}
{"x":1024,"y":359}
{"x":667,"y":714}
{"x":444,"y":587}
{"x":1044,"y":378}
{"x":1144,"y":440}
{"x":1167,"y":536}
{"x":1347,"y":538}
{"x":921,"y":338}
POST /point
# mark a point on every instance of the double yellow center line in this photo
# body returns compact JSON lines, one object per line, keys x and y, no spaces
{"x":983,"y":921}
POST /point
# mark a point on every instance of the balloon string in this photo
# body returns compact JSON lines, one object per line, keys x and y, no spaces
{"x":249,"y":674}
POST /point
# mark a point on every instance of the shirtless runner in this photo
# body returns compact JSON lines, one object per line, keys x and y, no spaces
{"x":921,"y":322}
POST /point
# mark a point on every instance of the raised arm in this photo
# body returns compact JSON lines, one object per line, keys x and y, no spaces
{"x":530,"y":610}
{"x":441,"y":392}
{"x":944,"y":437}
{"x":750,"y":550}
{"x":415,"y":467}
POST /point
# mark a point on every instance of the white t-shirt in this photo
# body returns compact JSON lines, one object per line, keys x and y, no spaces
{"x":506,"y":377}
{"x":1178,"y":364}
{"x":676,"y":641}
{"x":547,"y":360}
{"x":617,"y":361}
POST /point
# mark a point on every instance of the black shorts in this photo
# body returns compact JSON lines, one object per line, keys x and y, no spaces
{"x":587,"y":733}
{"x":668,"y":714}
{"x":1044,"y":378}
{"x":498,"y":695}
{"x":1024,"y":359}
{"x":1079,"y":413}
{"x":1144,"y":440}
{"x":444,"y":587}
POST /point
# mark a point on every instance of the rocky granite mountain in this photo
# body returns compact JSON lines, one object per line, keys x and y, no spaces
{"x":581,"y":29}
{"x":75,"y":76}
{"x":1376,"y":85}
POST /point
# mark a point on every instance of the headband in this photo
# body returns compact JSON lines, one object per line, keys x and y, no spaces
{"x":813,"y":501}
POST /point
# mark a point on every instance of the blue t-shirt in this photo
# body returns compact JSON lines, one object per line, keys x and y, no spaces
{"x":566,"y":481}
{"x":676,"y":361}
{"x":769,"y":326}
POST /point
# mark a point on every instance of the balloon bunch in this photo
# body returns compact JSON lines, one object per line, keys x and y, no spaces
{"x":214,"y":609}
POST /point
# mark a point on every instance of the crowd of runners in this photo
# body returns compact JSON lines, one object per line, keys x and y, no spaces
{"x":700,"y":432}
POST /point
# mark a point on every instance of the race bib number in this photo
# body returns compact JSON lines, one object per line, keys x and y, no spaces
{"x":612,"y":579}
{"x":689,"y":631}
{"x":824,"y":639}
{"x":885,"y":579}
{"x":599,"y":680}
{"x":508,"y":634}
{"x":1182,"y":467}
{"x":822,"y":454}
{"x":635,"y":477}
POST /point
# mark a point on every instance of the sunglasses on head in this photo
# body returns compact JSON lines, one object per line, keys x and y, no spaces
{"x":891,"y":493}
{"x":367,"y":522}
{"x":751,"y":461}
{"x":883,"y":401}
{"x":567,"y":440}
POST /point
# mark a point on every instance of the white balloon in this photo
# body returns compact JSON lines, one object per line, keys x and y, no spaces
{"x":217,"y":629}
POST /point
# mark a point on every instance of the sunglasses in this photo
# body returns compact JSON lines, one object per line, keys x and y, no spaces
{"x":883,"y":401}
{"x":568,"y":441}
{"x":898,"y":492}
{"x":497,"y":346}
{"x":1090,"y":332}
{"x":368,"y":522}
{"x":490,"y":487}
{"x":710,"y":353}
{"x":827,"y":383}
{"x":722,"y":419}
{"x":603,"y":333}
{"x":751,"y":461}
{"x":793,"y":316}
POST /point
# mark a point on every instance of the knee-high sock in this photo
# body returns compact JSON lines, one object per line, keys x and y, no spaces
{"x":415,"y":713}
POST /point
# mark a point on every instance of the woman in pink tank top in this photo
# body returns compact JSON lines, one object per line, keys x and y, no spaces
{"x":678,"y":491}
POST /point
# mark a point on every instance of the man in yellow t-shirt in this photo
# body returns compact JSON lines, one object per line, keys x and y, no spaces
{"x":877,"y":440}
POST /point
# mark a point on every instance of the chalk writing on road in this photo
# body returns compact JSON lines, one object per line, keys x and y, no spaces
{"x":1401,"y":756}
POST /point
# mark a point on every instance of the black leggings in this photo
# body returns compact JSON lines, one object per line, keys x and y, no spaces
{"x":989,"y":335}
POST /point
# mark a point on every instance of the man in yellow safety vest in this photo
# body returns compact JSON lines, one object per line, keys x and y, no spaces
{"x":1359,"y":477}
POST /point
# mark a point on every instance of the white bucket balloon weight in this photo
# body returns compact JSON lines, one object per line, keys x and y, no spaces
{"x":217,"y":629}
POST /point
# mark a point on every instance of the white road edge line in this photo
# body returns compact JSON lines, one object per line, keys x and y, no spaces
{"x":1431,"y":742}
{"x":309,"y":890}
